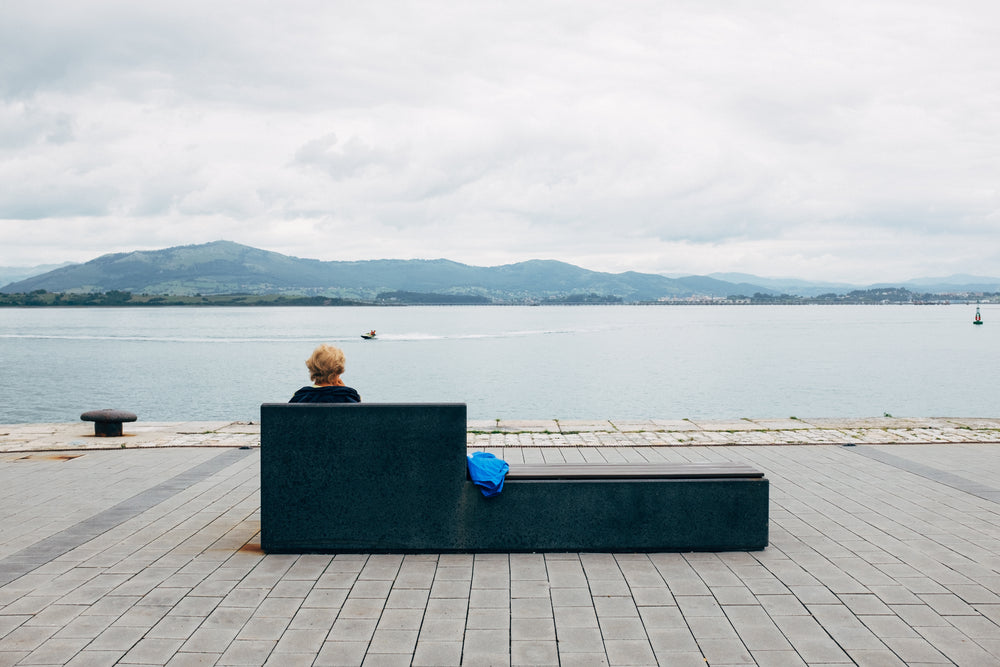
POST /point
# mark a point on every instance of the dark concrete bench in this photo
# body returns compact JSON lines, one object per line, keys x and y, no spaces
{"x":392,"y":478}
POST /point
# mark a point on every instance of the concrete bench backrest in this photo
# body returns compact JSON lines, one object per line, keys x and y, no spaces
{"x":379,"y":469}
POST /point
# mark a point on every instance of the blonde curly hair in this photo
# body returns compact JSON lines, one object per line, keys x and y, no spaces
{"x":326,"y":364}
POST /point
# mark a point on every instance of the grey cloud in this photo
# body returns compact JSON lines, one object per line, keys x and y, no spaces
{"x":24,"y":124}
{"x":340,"y":159}
{"x":649,"y":133}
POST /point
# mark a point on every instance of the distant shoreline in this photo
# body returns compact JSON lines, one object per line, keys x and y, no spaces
{"x":476,"y":295}
{"x":315,"y":302}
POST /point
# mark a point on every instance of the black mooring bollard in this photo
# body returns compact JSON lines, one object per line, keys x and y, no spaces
{"x":107,"y":422}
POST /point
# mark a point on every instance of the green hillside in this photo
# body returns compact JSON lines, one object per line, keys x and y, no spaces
{"x":223,"y":267}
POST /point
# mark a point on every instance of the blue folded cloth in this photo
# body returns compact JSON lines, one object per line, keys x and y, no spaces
{"x":487,"y":472}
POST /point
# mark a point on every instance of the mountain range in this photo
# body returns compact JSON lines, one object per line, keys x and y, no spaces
{"x":224,"y":267}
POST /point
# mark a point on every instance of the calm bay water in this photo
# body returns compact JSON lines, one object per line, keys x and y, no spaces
{"x":599,"y":362}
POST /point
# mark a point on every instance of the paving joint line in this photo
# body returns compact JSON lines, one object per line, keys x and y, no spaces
{"x":47,"y":549}
{"x":934,"y":474}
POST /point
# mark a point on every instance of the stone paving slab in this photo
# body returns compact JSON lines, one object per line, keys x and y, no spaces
{"x":540,"y":433}
{"x":880,"y":554}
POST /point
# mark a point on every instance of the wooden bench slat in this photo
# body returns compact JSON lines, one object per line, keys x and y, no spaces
{"x":631,"y":471}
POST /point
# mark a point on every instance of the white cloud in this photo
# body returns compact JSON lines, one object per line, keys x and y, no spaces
{"x":844,"y":141}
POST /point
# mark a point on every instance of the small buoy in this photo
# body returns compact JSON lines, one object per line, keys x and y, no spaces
{"x":979,"y":319}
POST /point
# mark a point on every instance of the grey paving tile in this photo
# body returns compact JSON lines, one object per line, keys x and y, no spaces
{"x":955,"y":645}
{"x":407,"y":598}
{"x":89,"y":626}
{"x":329,"y":598}
{"x":143,"y":616}
{"x":531,"y":608}
{"x":652,"y":597}
{"x":302,"y":641}
{"x":894,"y":595}
{"x":339,"y":654}
{"x":227,"y":618}
{"x":441,"y":629}
{"x":782,"y":605}
{"x":30,"y":604}
{"x":95,"y":658}
{"x":532,"y":629}
{"x":672,"y":640}
{"x":609,"y":587}
{"x":756,"y":629}
{"x":263,"y":628}
{"x":918,"y":615}
{"x":584,"y":659}
{"x":615,"y":606}
{"x":10,"y":658}
{"x":209,"y":640}
{"x":446,"y":588}
{"x":486,"y":646}
{"x":617,"y":627}
{"x":814,"y":594}
{"x":194,"y":605}
{"x":9,"y":622}
{"x":699,"y":605}
{"x":152,"y":651}
{"x":875,"y":658}
{"x":487,"y":619}
{"x":437,"y":653}
{"x":348,"y":630}
{"x":290,"y":660}
{"x":446,"y":608}
{"x":888,"y":626}
{"x":915,"y":650}
{"x":313,"y":618}
{"x":489,"y":598}
{"x":50,"y":652}
{"x":629,"y":652}
{"x":56,"y":614}
{"x":662,"y":617}
{"x":386,"y":660}
{"x":571,"y":597}
{"x":533,"y":653}
{"x":865,"y":604}
{"x":529,"y":589}
{"x":175,"y":627}
{"x":400,"y":619}
{"x":725,"y":652}
{"x":734,"y":595}
{"x":580,"y":640}
{"x":362,"y":608}
{"x":976,"y":627}
{"x":247,"y":652}
{"x":575,"y":617}
{"x":117,"y":638}
{"x":393,"y":641}
{"x":711,"y":627}
{"x":948,"y":605}
{"x":810,"y":640}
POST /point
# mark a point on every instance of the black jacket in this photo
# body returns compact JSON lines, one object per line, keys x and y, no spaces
{"x":326,"y":395}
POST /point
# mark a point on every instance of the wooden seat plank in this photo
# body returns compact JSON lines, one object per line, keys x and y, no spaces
{"x":632,"y":471}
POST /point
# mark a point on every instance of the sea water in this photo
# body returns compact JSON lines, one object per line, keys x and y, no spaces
{"x":568,"y":362}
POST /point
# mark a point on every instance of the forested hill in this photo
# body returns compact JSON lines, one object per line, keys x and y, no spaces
{"x":224,"y":267}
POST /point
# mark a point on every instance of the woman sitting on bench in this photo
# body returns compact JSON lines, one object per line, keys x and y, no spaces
{"x":326,"y":365}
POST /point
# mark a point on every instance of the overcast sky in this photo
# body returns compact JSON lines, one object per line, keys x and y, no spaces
{"x":851,"y":140}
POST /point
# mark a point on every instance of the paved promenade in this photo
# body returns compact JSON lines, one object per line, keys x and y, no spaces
{"x":144,"y":549}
